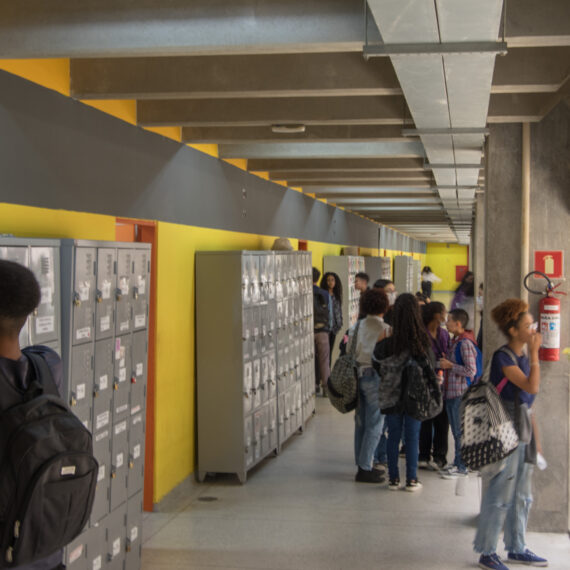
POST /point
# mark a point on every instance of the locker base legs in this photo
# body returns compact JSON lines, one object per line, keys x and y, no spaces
{"x":242,"y":477}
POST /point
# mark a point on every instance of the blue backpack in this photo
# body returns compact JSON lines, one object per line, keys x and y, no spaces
{"x":479,"y":360}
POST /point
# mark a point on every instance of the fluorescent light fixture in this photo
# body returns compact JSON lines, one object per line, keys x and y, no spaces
{"x":288,"y":129}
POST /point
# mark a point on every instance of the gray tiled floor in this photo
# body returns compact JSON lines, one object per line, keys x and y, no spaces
{"x":303,"y":510}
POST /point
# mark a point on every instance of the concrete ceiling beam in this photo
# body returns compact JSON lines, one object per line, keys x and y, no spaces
{"x":355,"y":133}
{"x":531,"y":70}
{"x":411,"y":177}
{"x":233,"y":76}
{"x":370,"y":191}
{"x":306,"y":182}
{"x":336,"y":165}
{"x":389,"y":110}
{"x":397,"y":196}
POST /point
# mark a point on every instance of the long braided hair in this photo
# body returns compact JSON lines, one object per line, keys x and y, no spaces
{"x":408,"y":331}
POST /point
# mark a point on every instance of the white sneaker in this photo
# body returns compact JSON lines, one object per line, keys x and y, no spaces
{"x":452,"y":473}
{"x":423,"y":464}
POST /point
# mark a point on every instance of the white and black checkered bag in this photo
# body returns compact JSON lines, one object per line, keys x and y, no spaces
{"x":342,"y":387}
{"x":487,"y":431}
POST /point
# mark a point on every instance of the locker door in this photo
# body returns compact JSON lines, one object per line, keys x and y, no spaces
{"x":245,"y":279}
{"x":139,"y":371}
{"x":246,"y":334}
{"x":119,"y":464}
{"x":264,"y":431}
{"x":105,"y":292}
{"x":123,"y":292}
{"x":264,"y":386}
{"x":122,"y":376}
{"x":81,"y":376}
{"x":75,"y":553}
{"x":272,"y":376}
{"x":136,"y":455}
{"x":83,"y":295}
{"x":44,"y":323}
{"x":257,"y":436}
{"x":272,"y":424}
{"x":103,"y":384}
{"x":21,"y":255}
{"x":116,"y":535}
{"x":281,"y":419}
{"x":102,"y":452}
{"x":256,"y":383}
{"x":97,"y":547}
{"x":141,"y":288}
{"x":134,"y":533}
{"x":248,"y":441}
{"x":247,"y":387}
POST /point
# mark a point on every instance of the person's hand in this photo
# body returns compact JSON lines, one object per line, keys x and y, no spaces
{"x":534,"y":343}
{"x":445,"y":364}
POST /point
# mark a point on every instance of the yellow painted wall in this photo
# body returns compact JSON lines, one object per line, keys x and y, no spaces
{"x":442,"y":258}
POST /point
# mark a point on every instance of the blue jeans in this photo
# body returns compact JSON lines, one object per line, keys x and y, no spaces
{"x":452,"y":408}
{"x":381,"y":455}
{"x":368,"y":420}
{"x":411,"y":427}
{"x":507,"y":501}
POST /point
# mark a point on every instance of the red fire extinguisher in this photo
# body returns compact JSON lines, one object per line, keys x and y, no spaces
{"x":549,"y":319}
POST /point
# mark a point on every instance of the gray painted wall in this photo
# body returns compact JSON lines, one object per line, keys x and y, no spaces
{"x":550,"y":218}
{"x":59,"y":153}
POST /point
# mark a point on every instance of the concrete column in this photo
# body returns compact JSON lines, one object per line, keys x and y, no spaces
{"x":549,"y":222}
{"x":478,"y":251}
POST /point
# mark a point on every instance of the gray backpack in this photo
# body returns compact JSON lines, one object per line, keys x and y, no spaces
{"x":342,"y":388}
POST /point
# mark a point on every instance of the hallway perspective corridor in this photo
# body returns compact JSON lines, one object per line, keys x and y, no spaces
{"x":303,"y":510}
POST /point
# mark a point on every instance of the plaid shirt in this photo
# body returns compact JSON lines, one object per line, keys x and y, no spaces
{"x":455,"y":383}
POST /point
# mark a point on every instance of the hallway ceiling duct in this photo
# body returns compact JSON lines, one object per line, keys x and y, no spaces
{"x":448,"y":92}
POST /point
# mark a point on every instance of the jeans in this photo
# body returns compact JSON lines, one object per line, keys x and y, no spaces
{"x":507,"y":501}
{"x":434,"y":432}
{"x":322,"y":352}
{"x":452,"y":408}
{"x":368,"y":419}
{"x":381,"y":455}
{"x":411,"y":427}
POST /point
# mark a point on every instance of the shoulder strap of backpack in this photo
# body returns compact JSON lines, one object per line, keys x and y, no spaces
{"x":42,"y":382}
{"x":352,"y":347}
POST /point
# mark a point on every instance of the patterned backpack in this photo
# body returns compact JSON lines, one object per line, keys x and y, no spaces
{"x":342,"y":388}
{"x":487,"y":431}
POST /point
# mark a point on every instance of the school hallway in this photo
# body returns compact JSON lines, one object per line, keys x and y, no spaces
{"x":304,"y":511}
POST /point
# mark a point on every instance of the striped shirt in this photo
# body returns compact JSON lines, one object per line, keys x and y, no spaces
{"x":455,"y":383}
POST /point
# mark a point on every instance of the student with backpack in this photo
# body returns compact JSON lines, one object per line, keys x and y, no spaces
{"x":462,"y":370}
{"x":48,"y":473}
{"x":322,"y":317}
{"x":507,"y":499}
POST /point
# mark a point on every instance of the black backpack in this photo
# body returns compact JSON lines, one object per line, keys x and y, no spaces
{"x":48,"y":473}
{"x":421,"y":393}
{"x":321,"y":313}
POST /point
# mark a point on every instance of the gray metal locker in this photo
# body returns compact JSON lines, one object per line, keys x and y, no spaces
{"x":75,"y":553}
{"x":122,"y":376}
{"x":119,"y":463}
{"x":139,"y":371}
{"x":83,"y":307}
{"x":116,"y":524}
{"x":79,"y":383}
{"x":103,"y":383}
{"x":141,"y":287}
{"x":124,"y":292}
{"x":97,"y":546}
{"x":136,"y":454}
{"x":133,"y":543}
{"x":105,"y":292}
{"x":102,"y":451}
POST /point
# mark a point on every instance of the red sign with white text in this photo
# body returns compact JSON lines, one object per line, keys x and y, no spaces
{"x":551,"y":263}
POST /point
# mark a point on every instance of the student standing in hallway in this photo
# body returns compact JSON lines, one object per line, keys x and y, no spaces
{"x":332,"y":284}
{"x":507,"y":500}
{"x":322,"y":316}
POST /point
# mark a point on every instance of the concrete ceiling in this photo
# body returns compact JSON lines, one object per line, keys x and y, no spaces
{"x":397,"y":138}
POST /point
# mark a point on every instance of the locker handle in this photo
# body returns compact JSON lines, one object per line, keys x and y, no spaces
{"x":113,"y":474}
{"x":96,"y":392}
{"x":99,"y":296}
{"x":73,"y":401}
{"x":131,"y":463}
{"x":115,"y":385}
{"x":118,"y":294}
{"x":133,"y":380}
{"x":76,"y":300}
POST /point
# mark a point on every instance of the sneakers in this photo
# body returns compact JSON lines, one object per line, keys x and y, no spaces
{"x":394,"y":484}
{"x":429,"y":465}
{"x":491,"y":561}
{"x":371,"y":476}
{"x":423,"y":464}
{"x":380,"y":467}
{"x":529,"y":558}
{"x":413,"y":485}
{"x":452,"y":473}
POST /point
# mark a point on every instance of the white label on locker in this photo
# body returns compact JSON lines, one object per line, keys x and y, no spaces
{"x":46,"y":297}
{"x":137,"y":451}
{"x":139,"y":369}
{"x":120,"y":428}
{"x":141,"y":285}
{"x":105,"y":323}
{"x":122,"y":374}
{"x":122,"y":361}
{"x":124,"y":285}
{"x":45,"y":325}
{"x":85,"y":332}
{"x":140,"y":320}
{"x":122,"y":409}
{"x":80,"y":391}
{"x":134,"y":533}
{"x":102,"y":420}
{"x":83,"y":291}
{"x":117,"y":349}
{"x":116,"y":547}
{"x":103,"y":382}
{"x":120,"y":460}
{"x":101,"y":473}
{"x":124,"y":326}
{"x":106,"y":290}
{"x":102,"y":435}
{"x":97,"y":563}
{"x":76,"y":554}
{"x":134,"y":411}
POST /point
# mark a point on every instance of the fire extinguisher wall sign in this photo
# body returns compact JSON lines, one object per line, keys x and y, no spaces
{"x":549,"y":309}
